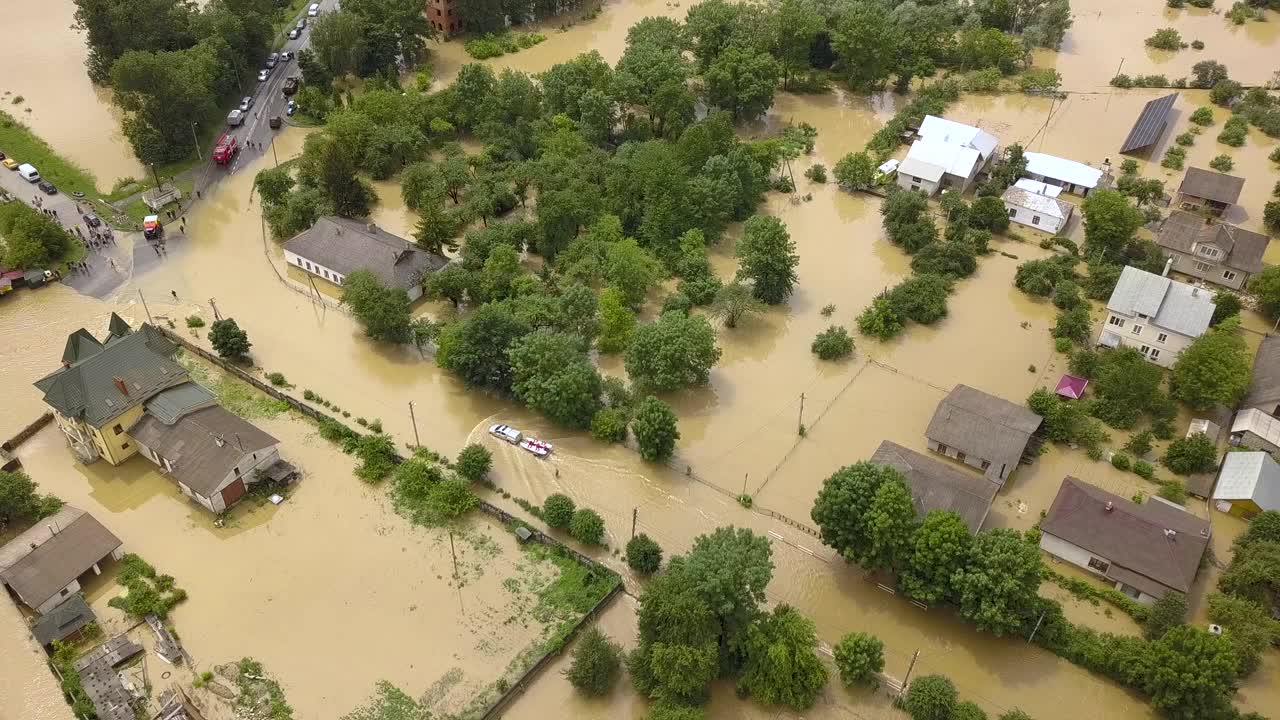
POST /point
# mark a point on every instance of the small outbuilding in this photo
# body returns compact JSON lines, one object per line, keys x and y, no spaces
{"x":1071,"y":387}
{"x":1073,"y":177}
{"x":62,"y":622}
{"x":43,"y":565}
{"x":1256,"y":430}
{"x":1248,"y":483}
{"x":934,"y":166}
{"x":1264,"y":387}
{"x":1034,"y":210}
{"x":983,"y":431}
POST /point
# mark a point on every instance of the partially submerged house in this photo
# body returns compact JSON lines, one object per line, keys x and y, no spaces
{"x":212,"y":454}
{"x":1257,"y":430}
{"x":43,"y":565}
{"x":950,"y":132}
{"x":1158,"y":316}
{"x":931,"y":167}
{"x":1073,"y":177}
{"x":938,"y":485}
{"x":335,"y":247}
{"x":1208,"y":191}
{"x":1248,"y":483}
{"x":983,"y":431}
{"x":1042,"y":212}
{"x":99,"y":391}
{"x":1215,"y":252}
{"x":1145,"y":551}
{"x":1264,"y":387}
{"x":62,"y":622}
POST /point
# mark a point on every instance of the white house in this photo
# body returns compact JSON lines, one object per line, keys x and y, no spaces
{"x":1070,"y":175}
{"x":936,"y":129}
{"x":335,"y":247}
{"x":934,"y":166}
{"x":1034,"y":210}
{"x":1144,"y":551}
{"x":43,"y":565}
{"x":1158,"y":316}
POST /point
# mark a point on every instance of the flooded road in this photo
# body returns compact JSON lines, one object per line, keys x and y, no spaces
{"x":28,"y":689}
{"x":42,"y":59}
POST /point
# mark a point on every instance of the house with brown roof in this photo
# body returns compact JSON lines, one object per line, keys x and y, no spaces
{"x":939,"y":485}
{"x":1145,"y":551}
{"x":1219,"y":253}
{"x":335,"y":247}
{"x":983,"y":431}
{"x":1209,"y":191}
{"x":43,"y":565}
{"x":1264,"y":387}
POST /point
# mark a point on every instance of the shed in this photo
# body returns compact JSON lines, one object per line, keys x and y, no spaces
{"x":1208,"y":190}
{"x":1034,"y":210}
{"x":938,"y":485}
{"x":1149,"y":125}
{"x":1199,"y":426}
{"x":982,"y":431}
{"x":1255,"y":429}
{"x":63,"y":621}
{"x":1071,"y":387}
{"x":1249,"y":482}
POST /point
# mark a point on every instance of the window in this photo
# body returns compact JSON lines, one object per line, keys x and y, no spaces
{"x":1162,"y":337}
{"x":1113,"y":320}
{"x":985,"y":464}
{"x":1013,"y":212}
{"x":1145,"y":349}
{"x":1202,"y":267}
{"x":1137,"y":330}
{"x":1155,"y":354}
{"x":124,"y":446}
{"x":1035,"y":219}
{"x":915,"y":179}
{"x":1228,"y":275}
{"x":1099,"y":565}
{"x":117,"y":429}
{"x":915,"y":187}
{"x":1210,"y":252}
{"x":65,"y":592}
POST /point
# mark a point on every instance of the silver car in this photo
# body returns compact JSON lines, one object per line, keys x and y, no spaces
{"x":271,"y":60}
{"x":263,"y":74}
{"x":246,"y":103}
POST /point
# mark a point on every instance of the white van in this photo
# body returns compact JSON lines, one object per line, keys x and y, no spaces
{"x":28,"y":172}
{"x":314,"y":10}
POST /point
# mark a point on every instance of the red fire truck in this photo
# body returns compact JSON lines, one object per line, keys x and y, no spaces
{"x":226,"y":149}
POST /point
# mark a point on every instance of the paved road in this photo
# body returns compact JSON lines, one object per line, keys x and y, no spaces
{"x":269,"y":99}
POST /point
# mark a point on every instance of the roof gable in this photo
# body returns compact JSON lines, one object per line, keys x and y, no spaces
{"x":983,"y":425}
{"x":345,"y":246}
{"x":1184,"y":232}
{"x":1250,"y":476}
{"x":1211,"y":185}
{"x":937,"y":129}
{"x":1168,"y":304}
{"x":80,"y":346}
{"x":202,"y":446}
{"x":937,"y":485}
{"x":65,"y":545}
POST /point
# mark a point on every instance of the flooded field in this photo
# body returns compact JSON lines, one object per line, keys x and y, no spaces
{"x":42,"y":59}
{"x":328,"y":590}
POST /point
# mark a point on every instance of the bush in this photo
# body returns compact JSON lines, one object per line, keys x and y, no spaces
{"x":597,"y":662}
{"x":1191,"y":455}
{"x":557,"y":511}
{"x":586,"y":526}
{"x":277,"y":379}
{"x":1120,"y":461}
{"x":1225,"y":92}
{"x":1222,"y":163}
{"x":644,"y":555}
{"x":833,"y":343}
{"x":1139,"y":444}
{"x":229,"y":340}
{"x":1144,"y":469}
{"x":859,"y":658}
{"x":1062,"y":345}
{"x":195,"y":321}
{"x":1165,"y":39}
{"x":931,"y":697}
{"x":1186,"y":139}
{"x":609,"y":425}
{"x":1073,"y":324}
{"x":473,"y":463}
{"x":1174,"y":158}
{"x":377,"y":457}
{"x":1203,"y":116}
{"x":1122,"y":81}
{"x":1197,"y":44}
{"x":1235,"y":131}
{"x":817,"y":173}
{"x":1173,"y":491}
{"x":968,"y":710}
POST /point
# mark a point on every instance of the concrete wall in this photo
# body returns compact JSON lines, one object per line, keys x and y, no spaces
{"x":1069,"y":552}
{"x":1185,"y":264}
{"x":1169,"y":348}
{"x":971,"y":461}
{"x":910,"y":182}
{"x":1023,"y":216}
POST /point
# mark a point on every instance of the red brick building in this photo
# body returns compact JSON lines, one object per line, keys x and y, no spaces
{"x":443,"y":16}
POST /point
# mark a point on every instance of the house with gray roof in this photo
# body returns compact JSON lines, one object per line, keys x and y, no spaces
{"x":335,"y":247}
{"x":1041,"y":212}
{"x":1218,"y":253}
{"x":983,"y":431}
{"x":101,"y":387}
{"x":939,"y":485}
{"x":64,"y":621}
{"x":1145,"y":551}
{"x":1264,"y":387}
{"x":1249,"y":483}
{"x":1208,"y":191}
{"x":213,"y":455}
{"x":43,"y":565}
{"x":1158,"y":316}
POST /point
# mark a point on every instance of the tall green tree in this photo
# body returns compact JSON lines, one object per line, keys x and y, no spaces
{"x":382,"y":311}
{"x":552,"y":375}
{"x":475,"y":349}
{"x":742,"y":81}
{"x":795,"y":26}
{"x":228,"y":340}
{"x":733,"y":302}
{"x":866,"y":42}
{"x":597,"y":660}
{"x":859,"y":658}
{"x":997,"y":589}
{"x":617,"y":322}
{"x":675,"y":351}
{"x":339,"y":41}
{"x":1214,"y":369}
{"x":890,"y":522}
{"x":841,"y":508}
{"x":655,"y":429}
{"x":768,"y":258}
{"x":781,"y":665}
{"x":1110,"y":224}
{"x":631,"y":269}
{"x":20,"y":498}
{"x":939,"y":548}
{"x":1190,"y":674}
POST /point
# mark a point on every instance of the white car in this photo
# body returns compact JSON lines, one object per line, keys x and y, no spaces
{"x":246,"y":103}
{"x":314,"y":10}
{"x":293,"y":33}
{"x":271,"y":60}
{"x":263,"y":74}
{"x":506,"y":432}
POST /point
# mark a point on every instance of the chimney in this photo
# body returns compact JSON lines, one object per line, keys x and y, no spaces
{"x":1110,"y":506}
{"x":1195,"y":291}
{"x":217,"y":440}
{"x":1171,"y":534}
{"x":1167,"y":264}
{"x":121,"y":386}
{"x":370,"y":227}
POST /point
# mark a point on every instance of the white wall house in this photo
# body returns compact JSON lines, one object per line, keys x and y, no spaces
{"x":335,"y":247}
{"x":314,"y":268}
{"x":1041,"y":212}
{"x":950,"y":132}
{"x":1074,"y":177}
{"x":934,"y":166}
{"x":1158,"y":316}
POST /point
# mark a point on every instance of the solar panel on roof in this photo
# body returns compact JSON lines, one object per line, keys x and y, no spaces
{"x":1150,"y":124}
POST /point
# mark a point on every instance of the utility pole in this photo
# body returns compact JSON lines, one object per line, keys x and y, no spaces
{"x":454,"y":554}
{"x":144,"y":306}
{"x":155,"y":175}
{"x":1035,"y":629}
{"x":910,"y":667}
{"x":416,"y":442}
{"x":1109,"y":94}
{"x":635,"y":512}
{"x":273,"y":151}
{"x":744,"y":483}
{"x":214,"y":305}
{"x":800,"y":420}
{"x":196,"y":140}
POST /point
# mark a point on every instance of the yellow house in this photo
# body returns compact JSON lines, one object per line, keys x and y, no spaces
{"x":1248,"y":483}
{"x":99,"y":391}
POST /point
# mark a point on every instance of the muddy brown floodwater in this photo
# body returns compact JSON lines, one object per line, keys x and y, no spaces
{"x":738,"y":432}
{"x":42,"y":60}
{"x":28,"y":690}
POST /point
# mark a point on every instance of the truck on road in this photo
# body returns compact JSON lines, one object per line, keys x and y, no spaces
{"x":225,"y":151}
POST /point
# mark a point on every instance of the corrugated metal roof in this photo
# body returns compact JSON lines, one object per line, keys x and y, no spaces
{"x":1259,"y":423}
{"x":1250,"y":476}
{"x":170,"y":405}
{"x":1041,"y":204}
{"x":1070,"y":171}
{"x":1150,"y":124}
{"x":1038,"y":187}
{"x":1169,"y":304}
{"x":936,"y":129}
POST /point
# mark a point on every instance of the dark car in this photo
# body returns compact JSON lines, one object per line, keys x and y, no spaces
{"x":91,"y":220}
{"x":290,"y":86}
{"x":3,"y":156}
{"x":47,"y":188}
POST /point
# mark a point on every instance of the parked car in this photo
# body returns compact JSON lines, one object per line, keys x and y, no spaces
{"x":3,"y":156}
{"x":285,"y":57}
{"x":47,"y":188}
{"x":28,"y":172}
{"x":91,"y":220}
{"x":246,"y":102}
{"x":291,"y":108}
{"x":294,"y":33}
{"x":314,"y":10}
{"x":290,"y":86}
{"x":274,"y":122}
{"x":10,"y":163}
{"x":263,"y":74}
{"x":272,"y":59}
{"x":302,"y":23}
{"x":235,"y":118}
